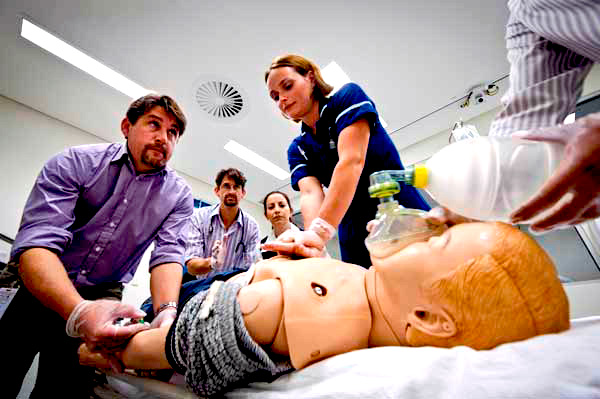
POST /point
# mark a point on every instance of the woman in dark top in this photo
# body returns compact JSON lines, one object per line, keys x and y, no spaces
{"x":341,"y":143}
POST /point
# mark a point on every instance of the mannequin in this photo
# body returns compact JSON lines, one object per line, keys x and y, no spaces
{"x":500,"y":288}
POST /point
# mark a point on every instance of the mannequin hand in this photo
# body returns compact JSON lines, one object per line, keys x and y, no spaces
{"x":440,"y":215}
{"x":307,"y":244}
{"x":578,"y":176}
{"x":95,"y":321}
{"x":101,"y":360}
{"x":164,"y":318}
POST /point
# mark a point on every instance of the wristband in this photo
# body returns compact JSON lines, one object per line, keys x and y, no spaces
{"x":166,"y":305}
{"x":322,"y":228}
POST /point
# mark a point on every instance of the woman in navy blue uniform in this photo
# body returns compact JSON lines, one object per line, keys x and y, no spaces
{"x":341,"y":143}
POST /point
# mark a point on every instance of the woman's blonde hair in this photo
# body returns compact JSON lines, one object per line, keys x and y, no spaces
{"x":303,"y":66}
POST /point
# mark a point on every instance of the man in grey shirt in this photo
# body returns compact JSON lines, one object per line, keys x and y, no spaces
{"x":92,"y":213}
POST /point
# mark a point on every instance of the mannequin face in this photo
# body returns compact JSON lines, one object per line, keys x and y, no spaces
{"x":400,"y":277}
{"x":278,"y":210}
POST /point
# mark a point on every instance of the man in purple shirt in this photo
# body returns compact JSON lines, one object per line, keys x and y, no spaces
{"x":92,"y":213}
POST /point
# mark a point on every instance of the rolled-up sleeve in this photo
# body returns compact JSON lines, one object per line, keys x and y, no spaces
{"x":49,"y":210}
{"x":171,"y":238}
{"x":194,"y":245}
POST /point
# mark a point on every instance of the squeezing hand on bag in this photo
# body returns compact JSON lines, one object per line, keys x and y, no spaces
{"x":575,"y":185}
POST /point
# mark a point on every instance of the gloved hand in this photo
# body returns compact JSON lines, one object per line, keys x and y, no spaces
{"x":577,"y":177}
{"x":95,"y":322}
{"x":308,"y":244}
{"x":164,"y":318}
{"x":217,"y":254}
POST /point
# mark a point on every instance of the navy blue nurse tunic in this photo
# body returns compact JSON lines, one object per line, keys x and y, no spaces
{"x":316,"y":155}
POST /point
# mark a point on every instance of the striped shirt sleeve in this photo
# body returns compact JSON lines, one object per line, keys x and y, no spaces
{"x":195,"y":245}
{"x":551,"y":49}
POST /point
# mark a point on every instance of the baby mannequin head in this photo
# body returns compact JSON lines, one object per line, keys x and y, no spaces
{"x":478,"y":284}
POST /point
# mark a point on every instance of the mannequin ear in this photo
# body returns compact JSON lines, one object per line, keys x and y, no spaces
{"x":437,"y":323}
{"x":125,"y":125}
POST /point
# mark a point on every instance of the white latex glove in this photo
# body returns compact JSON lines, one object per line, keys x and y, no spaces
{"x":575,"y":184}
{"x":164,"y":318}
{"x":96,"y":323}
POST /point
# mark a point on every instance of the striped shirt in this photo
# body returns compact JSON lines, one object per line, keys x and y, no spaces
{"x":240,"y":239}
{"x":552,"y":46}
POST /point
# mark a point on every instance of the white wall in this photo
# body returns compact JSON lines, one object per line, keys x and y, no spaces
{"x":584,"y":298}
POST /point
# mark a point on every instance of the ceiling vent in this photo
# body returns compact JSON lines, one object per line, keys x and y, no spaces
{"x":220,"y":100}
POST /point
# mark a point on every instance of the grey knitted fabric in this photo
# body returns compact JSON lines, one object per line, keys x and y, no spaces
{"x":211,"y":346}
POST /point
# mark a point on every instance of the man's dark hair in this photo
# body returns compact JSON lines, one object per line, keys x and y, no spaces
{"x":142,"y":105}
{"x":234,"y":174}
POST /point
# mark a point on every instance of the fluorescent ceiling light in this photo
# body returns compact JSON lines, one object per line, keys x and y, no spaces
{"x":335,"y":76}
{"x":82,"y":61}
{"x":250,"y":156}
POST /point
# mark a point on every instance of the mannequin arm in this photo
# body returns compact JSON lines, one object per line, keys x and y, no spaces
{"x":144,"y":352}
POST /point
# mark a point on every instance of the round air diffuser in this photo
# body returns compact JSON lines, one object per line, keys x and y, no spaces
{"x":220,"y":100}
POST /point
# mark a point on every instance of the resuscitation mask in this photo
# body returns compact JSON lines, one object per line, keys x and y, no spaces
{"x":396,"y":227}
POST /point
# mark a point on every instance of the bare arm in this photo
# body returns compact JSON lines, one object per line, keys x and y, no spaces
{"x":352,"y":151}
{"x":45,"y":277}
{"x":311,"y":198}
{"x":165,"y":281}
{"x":198,"y":266}
{"x":145,"y":351}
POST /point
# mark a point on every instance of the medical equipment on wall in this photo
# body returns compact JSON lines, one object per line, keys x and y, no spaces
{"x":396,"y":227}
{"x":484,"y":178}
{"x":462,"y":131}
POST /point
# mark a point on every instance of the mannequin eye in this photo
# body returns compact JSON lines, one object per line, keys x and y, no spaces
{"x":319,"y":289}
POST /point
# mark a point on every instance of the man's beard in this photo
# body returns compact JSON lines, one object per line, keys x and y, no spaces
{"x":153,"y":162}
{"x":231,"y":201}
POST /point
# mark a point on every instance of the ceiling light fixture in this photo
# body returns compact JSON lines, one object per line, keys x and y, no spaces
{"x":63,"y":50}
{"x":253,"y":158}
{"x":335,"y":76}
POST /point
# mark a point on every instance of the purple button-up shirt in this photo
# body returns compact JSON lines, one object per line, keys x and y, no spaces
{"x":90,"y":207}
